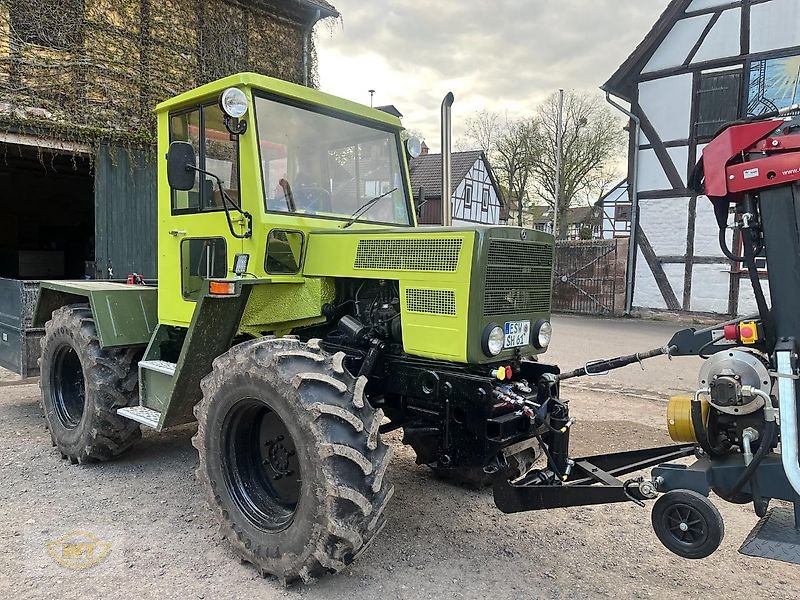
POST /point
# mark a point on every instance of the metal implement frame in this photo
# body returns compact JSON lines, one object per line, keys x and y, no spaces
{"x":593,"y":480}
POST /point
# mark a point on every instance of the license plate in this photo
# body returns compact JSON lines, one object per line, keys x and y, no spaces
{"x":518,"y":333}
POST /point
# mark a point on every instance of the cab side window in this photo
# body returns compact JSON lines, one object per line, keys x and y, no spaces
{"x":217,"y":152}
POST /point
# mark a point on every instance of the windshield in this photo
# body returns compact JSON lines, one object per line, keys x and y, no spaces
{"x":316,"y":164}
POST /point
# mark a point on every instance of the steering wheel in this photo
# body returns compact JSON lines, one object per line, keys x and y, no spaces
{"x":312,"y":199}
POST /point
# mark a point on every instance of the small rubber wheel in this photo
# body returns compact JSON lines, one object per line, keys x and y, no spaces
{"x":688,"y":524}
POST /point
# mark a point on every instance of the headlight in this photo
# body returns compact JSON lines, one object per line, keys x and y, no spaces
{"x":414,"y":146}
{"x":493,"y":340}
{"x":542,"y":334}
{"x":233,"y":103}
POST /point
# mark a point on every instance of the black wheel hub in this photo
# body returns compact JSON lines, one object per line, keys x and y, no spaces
{"x":686,"y":525}
{"x":261,"y":465}
{"x":67,"y":387}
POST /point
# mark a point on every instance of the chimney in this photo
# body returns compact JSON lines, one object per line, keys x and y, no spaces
{"x":425,"y":149}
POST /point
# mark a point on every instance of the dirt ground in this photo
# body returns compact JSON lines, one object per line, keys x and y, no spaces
{"x":440,"y":542}
{"x":149,"y":515}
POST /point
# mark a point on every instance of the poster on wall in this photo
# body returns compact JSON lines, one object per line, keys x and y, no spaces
{"x":774,"y":84}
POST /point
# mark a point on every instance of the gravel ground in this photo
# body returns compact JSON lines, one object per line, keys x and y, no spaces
{"x":440,"y":542}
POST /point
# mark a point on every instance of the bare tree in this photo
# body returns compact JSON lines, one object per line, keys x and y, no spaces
{"x":593,"y":140}
{"x":510,"y":147}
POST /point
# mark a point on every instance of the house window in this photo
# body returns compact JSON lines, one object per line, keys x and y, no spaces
{"x":217,"y":152}
{"x":718,"y":95}
{"x":468,"y":196}
{"x":485,"y":202}
{"x":54,"y":25}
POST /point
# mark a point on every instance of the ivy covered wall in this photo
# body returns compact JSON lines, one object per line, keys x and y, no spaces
{"x":93,"y":70}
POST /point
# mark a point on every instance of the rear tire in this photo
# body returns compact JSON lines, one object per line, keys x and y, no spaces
{"x":82,"y":386}
{"x":291,"y":458}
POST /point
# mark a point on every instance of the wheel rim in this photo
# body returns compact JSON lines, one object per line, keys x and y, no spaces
{"x":686,"y":525}
{"x":261,"y":466}
{"x":67,"y":387}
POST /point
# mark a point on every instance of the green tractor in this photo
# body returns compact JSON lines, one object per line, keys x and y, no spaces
{"x":299,"y":314}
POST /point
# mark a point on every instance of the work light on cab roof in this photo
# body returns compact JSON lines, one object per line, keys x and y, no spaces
{"x":233,"y":103}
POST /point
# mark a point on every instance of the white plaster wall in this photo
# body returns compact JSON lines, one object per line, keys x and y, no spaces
{"x":703,"y":4}
{"x":676,"y":274}
{"x":651,"y":174}
{"x":677,"y":44}
{"x":645,"y":292}
{"x":665,"y":224}
{"x":706,"y":232}
{"x":774,"y":25}
{"x":667,"y":102}
{"x":724,"y":38}
{"x":680,"y":158}
{"x":747,"y":300}
{"x":710,"y":288}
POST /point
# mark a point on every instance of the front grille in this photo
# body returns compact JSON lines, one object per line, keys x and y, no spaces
{"x":432,"y":302}
{"x":409,"y":255}
{"x":518,"y":277}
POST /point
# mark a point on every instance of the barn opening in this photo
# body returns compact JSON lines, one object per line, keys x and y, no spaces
{"x":47,"y":213}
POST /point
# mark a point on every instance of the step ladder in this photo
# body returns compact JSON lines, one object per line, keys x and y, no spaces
{"x":155,"y":380}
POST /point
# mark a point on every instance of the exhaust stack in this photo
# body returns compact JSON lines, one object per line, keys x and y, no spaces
{"x":447,"y":165}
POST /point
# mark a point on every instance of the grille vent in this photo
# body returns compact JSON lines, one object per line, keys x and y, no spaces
{"x":519,"y":277}
{"x":433,"y":302}
{"x":409,"y":255}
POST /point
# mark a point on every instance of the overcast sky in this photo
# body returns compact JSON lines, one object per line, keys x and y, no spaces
{"x":502,"y":55}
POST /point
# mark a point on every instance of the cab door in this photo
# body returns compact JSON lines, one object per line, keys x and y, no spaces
{"x":195,"y":241}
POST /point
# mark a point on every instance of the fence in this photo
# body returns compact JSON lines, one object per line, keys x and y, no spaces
{"x":590,"y":277}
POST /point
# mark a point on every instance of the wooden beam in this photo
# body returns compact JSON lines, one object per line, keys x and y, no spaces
{"x":660,"y":276}
{"x":24,"y":139}
{"x":673,"y":176}
{"x":689,"y":266}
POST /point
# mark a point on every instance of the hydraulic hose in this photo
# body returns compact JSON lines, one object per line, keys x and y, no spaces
{"x":701,"y":431}
{"x":763,"y":449}
{"x":758,"y":291}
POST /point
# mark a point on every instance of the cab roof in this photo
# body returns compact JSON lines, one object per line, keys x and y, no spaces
{"x":278,"y":87}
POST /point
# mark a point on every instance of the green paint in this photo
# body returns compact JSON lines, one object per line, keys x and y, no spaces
{"x":125,"y":315}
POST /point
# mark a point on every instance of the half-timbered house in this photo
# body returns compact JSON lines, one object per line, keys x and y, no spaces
{"x":476,"y":195}
{"x":616,"y":210}
{"x":704,"y":63}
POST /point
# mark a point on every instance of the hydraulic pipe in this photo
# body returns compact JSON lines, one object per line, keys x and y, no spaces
{"x":787,"y":398}
{"x":447,"y":165}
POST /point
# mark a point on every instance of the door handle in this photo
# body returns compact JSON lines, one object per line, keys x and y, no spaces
{"x":177,"y":232}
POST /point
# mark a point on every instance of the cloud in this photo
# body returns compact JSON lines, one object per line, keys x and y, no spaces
{"x":505,"y":56}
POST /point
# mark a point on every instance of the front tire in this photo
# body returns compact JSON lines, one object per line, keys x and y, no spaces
{"x":291,"y":458}
{"x":82,"y":386}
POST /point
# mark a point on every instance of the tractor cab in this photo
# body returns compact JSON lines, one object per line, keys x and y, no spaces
{"x":254,"y":166}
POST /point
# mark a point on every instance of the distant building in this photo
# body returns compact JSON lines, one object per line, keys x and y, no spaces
{"x":476,"y":195}
{"x":585,"y":222}
{"x":616,"y":210}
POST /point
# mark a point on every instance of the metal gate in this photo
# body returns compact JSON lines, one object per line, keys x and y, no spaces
{"x":588,"y":277}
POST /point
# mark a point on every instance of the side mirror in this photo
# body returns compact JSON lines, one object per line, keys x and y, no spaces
{"x":181,"y":166}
